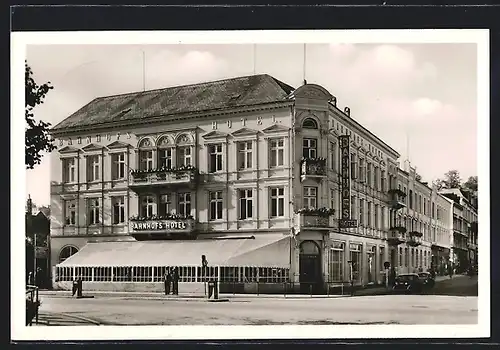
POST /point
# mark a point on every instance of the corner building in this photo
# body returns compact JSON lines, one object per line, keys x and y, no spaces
{"x":246,"y":171}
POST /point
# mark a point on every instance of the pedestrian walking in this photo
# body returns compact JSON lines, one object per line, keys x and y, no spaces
{"x":167,"y":279}
{"x":450,"y":270}
{"x":175,"y":281}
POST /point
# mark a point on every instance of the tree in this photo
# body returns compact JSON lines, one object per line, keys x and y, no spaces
{"x":37,"y":133}
{"x":451,"y":180}
{"x":471,"y":184}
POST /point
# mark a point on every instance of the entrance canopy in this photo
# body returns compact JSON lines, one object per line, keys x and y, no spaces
{"x":262,"y":250}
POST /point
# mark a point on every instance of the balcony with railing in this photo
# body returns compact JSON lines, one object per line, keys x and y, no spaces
{"x":414,"y":239}
{"x":396,"y":198}
{"x":316,"y":218}
{"x":164,"y":177}
{"x":397,"y":234}
{"x":313,"y":168}
{"x":162,"y":227}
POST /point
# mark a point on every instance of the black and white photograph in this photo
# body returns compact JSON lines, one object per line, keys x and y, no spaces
{"x":323,"y":181}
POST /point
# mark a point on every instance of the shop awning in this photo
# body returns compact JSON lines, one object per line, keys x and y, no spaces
{"x":262,"y":250}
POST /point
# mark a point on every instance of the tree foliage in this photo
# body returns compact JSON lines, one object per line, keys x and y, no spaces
{"x":471,"y":183}
{"x":37,"y":137}
{"x":451,"y":180}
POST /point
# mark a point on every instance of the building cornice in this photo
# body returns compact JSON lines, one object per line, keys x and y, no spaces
{"x":169,"y":118}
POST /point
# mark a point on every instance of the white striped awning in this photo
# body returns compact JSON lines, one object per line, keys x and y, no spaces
{"x":266,"y":250}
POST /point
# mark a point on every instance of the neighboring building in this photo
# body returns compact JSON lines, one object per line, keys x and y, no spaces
{"x":465,"y":234}
{"x":161,"y":177}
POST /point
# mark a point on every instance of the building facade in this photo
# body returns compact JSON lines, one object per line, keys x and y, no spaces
{"x":248,"y":156}
{"x":465,"y":234}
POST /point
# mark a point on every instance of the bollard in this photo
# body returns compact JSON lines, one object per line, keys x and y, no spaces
{"x":284,"y":289}
{"x":311,"y":289}
{"x":328,"y":289}
{"x":37,"y":306}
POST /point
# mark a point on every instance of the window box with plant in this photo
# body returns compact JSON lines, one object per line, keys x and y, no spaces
{"x":316,"y":217}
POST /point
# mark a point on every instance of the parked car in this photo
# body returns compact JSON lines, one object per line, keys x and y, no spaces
{"x":408,"y":283}
{"x":426,"y":279}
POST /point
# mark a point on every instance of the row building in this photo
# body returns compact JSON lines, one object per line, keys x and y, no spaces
{"x":277,"y":186}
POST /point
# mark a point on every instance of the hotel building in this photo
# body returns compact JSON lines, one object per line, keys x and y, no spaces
{"x":277,"y":186}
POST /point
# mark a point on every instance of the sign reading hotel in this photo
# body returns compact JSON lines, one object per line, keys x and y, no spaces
{"x":159,"y":225}
{"x":345,"y":220}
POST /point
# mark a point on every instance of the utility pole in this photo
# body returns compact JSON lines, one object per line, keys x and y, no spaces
{"x":30,"y":230}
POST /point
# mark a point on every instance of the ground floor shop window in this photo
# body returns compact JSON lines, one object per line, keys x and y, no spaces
{"x":355,"y":258}
{"x":381,"y":258}
{"x":336,"y":262}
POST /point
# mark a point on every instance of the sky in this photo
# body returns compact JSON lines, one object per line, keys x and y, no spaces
{"x":421,"y":99}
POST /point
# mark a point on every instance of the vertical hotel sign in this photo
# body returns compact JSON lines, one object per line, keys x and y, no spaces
{"x":345,"y":220}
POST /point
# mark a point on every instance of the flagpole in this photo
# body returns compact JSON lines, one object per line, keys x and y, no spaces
{"x":143,"y":71}
{"x":304,"y":67}
{"x":254,"y":59}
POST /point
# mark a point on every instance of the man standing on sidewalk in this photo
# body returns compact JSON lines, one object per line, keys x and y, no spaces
{"x":167,"y":279}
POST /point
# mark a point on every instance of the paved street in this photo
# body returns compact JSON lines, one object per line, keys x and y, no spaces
{"x":122,"y":309}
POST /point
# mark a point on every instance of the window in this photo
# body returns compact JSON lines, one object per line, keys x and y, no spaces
{"x":245,"y":155}
{"x":382,"y":182}
{"x":118,"y":170}
{"x":361,"y":211}
{"x":333,"y":198}
{"x":216,"y":205}
{"x":400,"y":256}
{"x":369,"y":213}
{"x":309,"y":148}
{"x":309,"y":123}
{"x":70,"y":212}
{"x":147,"y":206}
{"x":69,"y":170}
{"x":93,"y":170}
{"x":376,"y":223}
{"x":165,"y":158}
{"x":277,"y":153}
{"x":185,"y":204}
{"x":310,"y":197}
{"x":353,"y":207}
{"x":336,"y":262}
{"x":333,"y":155}
{"x":118,"y":210}
{"x":165,"y":207}
{"x":355,"y":258}
{"x":215,"y":157}
{"x":407,"y":258}
{"x":94,"y":209}
{"x":66,"y":252}
{"x":246,"y":204}
{"x":382,"y":218}
{"x":184,"y":158}
{"x":277,"y":202}
{"x":376,"y":177}
{"x":362,"y":176}
{"x":381,"y":258}
{"x":420,"y":203}
{"x":353,"y":166}
{"x":146,"y":160}
{"x":433,"y":210}
{"x":369,"y":174}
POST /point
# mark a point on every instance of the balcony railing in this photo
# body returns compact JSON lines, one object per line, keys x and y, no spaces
{"x":313,"y":168}
{"x":319,"y":218}
{"x":397,"y":198}
{"x":414,"y":238}
{"x":396,"y":235}
{"x":164,"y":177}
{"x":162,"y":227}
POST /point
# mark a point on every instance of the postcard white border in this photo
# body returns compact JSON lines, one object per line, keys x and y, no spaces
{"x":19,"y":41}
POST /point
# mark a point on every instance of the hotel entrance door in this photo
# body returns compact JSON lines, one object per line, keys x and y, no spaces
{"x":310,"y":268}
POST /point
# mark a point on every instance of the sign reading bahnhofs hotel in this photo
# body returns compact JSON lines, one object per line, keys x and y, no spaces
{"x":159,"y":225}
{"x":345,"y":220}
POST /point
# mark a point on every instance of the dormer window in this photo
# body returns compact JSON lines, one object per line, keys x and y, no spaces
{"x":309,"y":123}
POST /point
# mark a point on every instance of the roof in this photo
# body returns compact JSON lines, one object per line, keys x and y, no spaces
{"x":173,"y":101}
{"x":269,"y":250}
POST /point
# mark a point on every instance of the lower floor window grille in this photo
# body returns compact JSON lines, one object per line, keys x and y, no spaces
{"x":186,"y":274}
